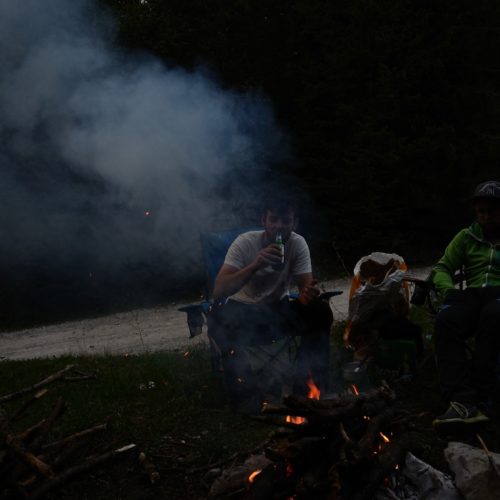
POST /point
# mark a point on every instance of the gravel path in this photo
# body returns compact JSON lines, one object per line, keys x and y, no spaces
{"x":132,"y":332}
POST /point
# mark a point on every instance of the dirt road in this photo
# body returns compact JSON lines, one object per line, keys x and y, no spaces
{"x":132,"y":332}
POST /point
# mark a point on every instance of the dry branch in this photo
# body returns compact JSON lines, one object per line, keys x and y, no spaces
{"x":34,"y":387}
{"x":89,"y":463}
{"x":27,"y":457}
{"x":76,"y":435}
{"x":57,"y":411}
{"x":29,"y":402}
{"x":491,"y":460}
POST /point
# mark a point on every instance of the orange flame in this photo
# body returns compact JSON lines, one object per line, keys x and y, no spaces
{"x":295,"y":420}
{"x":252,"y":476}
{"x":186,"y":354}
{"x":354,"y":390}
{"x":314,"y":392}
{"x":384,"y":437}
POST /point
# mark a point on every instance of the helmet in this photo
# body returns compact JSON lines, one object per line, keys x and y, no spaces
{"x":488,"y":189}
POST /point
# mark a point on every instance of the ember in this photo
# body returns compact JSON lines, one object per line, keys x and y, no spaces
{"x":251,"y":477}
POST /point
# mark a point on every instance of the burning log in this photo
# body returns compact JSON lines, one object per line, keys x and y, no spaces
{"x":340,"y":448}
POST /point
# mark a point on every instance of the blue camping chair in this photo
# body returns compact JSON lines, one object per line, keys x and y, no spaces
{"x":214,"y":248}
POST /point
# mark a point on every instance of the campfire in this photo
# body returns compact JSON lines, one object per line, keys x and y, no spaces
{"x":344,"y":446}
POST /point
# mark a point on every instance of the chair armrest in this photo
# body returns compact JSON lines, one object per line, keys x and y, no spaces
{"x":328,"y":295}
{"x":321,"y":296}
{"x":195,"y":316}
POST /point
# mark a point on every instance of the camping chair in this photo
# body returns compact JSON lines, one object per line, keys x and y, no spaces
{"x":214,"y":248}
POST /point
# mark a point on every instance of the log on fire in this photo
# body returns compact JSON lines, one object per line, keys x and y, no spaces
{"x":343,"y":447}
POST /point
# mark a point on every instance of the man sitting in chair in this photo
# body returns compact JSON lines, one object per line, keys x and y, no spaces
{"x":474,"y":311}
{"x":255,"y":277}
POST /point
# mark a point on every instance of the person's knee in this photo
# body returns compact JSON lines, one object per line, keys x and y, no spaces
{"x":490,"y":314}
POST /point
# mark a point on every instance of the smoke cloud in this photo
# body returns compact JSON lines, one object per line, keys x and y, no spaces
{"x":111,"y":160}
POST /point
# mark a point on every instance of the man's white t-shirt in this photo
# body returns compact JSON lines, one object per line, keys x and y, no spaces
{"x":267,"y":285}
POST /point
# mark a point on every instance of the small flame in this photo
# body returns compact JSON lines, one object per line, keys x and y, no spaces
{"x":186,"y":354}
{"x":289,"y":469}
{"x":232,"y":352}
{"x":147,"y":213}
{"x":295,"y":420}
{"x":240,"y":380}
{"x":354,"y":390}
{"x":397,"y":467}
{"x":366,"y":417}
{"x":384,"y":437}
{"x":252,"y":476}
{"x":314,"y":392}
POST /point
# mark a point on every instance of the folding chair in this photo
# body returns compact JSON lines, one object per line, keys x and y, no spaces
{"x":214,"y":247}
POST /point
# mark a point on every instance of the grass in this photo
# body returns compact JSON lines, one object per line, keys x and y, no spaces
{"x":167,"y":403}
{"x":172,"y":407}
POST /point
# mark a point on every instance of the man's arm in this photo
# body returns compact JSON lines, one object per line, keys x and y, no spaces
{"x":453,"y":258}
{"x":307,"y":287}
{"x":230,"y":279}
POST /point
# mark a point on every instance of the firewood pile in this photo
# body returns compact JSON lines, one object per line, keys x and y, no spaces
{"x":30,"y":464}
{"x":344,"y":447}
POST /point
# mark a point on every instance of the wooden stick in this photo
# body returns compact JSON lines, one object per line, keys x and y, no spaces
{"x":392,"y":455}
{"x":89,"y":463}
{"x":363,"y":448}
{"x":76,"y":435}
{"x":232,"y":457}
{"x":149,"y":468}
{"x":29,"y":402}
{"x":34,"y":387}
{"x":58,"y":410}
{"x":28,"y":433}
{"x":491,"y":460}
{"x":27,"y":457}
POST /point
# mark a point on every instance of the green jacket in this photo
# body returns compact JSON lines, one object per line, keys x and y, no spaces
{"x":479,"y":257}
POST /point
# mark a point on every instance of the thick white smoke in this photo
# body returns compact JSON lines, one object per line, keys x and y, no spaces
{"x":94,"y":139}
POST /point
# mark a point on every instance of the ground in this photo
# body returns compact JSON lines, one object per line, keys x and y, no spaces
{"x":181,"y":420}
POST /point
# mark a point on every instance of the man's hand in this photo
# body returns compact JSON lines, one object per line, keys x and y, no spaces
{"x":309,"y":292}
{"x":267,"y":257}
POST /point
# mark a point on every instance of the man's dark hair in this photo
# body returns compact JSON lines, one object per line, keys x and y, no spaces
{"x":279,"y":203}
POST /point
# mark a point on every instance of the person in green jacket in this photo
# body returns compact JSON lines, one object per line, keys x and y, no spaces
{"x":473,"y":311}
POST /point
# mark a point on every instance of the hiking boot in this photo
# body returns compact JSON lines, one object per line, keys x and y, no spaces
{"x":459,"y":413}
